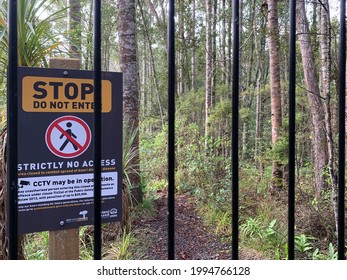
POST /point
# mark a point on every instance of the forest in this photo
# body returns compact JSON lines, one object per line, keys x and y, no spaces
{"x":134,"y":42}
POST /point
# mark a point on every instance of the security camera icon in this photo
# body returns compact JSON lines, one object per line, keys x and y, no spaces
{"x":23,"y":183}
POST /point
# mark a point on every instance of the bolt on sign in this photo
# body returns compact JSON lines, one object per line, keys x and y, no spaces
{"x":55,"y":155}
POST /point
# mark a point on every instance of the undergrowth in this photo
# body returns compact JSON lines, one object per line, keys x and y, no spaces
{"x":204,"y":170}
{"x":263,"y":220}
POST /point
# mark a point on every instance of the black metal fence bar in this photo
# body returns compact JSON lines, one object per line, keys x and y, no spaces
{"x":342,"y":132}
{"x":235,"y":130}
{"x":291,"y":140}
{"x":12,"y":128}
{"x":171,"y":135}
{"x":97,"y":129}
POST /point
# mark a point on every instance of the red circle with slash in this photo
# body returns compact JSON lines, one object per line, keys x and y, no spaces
{"x":68,"y":137}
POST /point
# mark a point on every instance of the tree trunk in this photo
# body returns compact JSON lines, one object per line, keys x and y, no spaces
{"x":275,"y":89}
{"x":325,"y":45}
{"x":153,"y":66}
{"x":89,"y":48}
{"x":193,"y":62}
{"x":258,"y":113}
{"x":209,"y":67}
{"x":319,"y":143}
{"x":223,"y":43}
{"x":128,"y":65}
{"x":75,"y":28}
{"x":229,"y":46}
{"x":160,"y":20}
{"x":184,"y":73}
{"x":214,"y":52}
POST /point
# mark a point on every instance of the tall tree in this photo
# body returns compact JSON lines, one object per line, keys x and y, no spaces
{"x":223,"y":41}
{"x":319,"y":143}
{"x":152,"y":63}
{"x":75,"y":28}
{"x":275,"y":88}
{"x":159,"y":18}
{"x":325,"y":46}
{"x":209,"y":98}
{"x":181,"y":48}
{"x":128,"y":65}
{"x":192,"y":35}
{"x":88,"y":53}
{"x":260,"y":76}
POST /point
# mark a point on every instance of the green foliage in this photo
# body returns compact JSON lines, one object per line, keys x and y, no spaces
{"x":130,"y":160}
{"x":303,"y":243}
{"x":252,"y":227}
{"x":126,"y":241}
{"x":270,"y":233}
{"x":191,"y":106}
{"x":35,"y":39}
{"x":203,"y":165}
{"x":263,"y":236}
{"x":153,"y":154}
{"x":119,"y":250}
{"x":36,"y":246}
{"x":218,"y":219}
{"x":279,"y":151}
{"x":158,"y":185}
{"x":256,"y":179}
{"x":222,"y":112}
{"x":86,"y":243}
{"x":245,"y":114}
{"x":223,"y":222}
{"x":331,"y":254}
{"x":130,"y":152}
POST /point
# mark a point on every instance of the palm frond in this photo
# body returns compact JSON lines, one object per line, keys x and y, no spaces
{"x":35,"y":42}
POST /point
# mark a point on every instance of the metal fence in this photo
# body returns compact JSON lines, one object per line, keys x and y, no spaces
{"x":12,"y":131}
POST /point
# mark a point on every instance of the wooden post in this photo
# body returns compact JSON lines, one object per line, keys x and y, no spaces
{"x":64,"y":244}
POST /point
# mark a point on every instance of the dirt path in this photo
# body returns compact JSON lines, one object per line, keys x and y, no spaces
{"x":192,"y":239}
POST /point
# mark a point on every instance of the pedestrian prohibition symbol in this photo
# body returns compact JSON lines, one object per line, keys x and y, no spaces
{"x":68,"y":137}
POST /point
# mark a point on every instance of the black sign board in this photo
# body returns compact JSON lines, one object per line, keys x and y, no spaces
{"x":55,"y":151}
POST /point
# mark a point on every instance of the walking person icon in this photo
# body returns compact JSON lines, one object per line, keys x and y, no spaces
{"x":67,"y":141}
{"x":68,"y":137}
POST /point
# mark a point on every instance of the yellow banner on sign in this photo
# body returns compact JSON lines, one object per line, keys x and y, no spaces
{"x":47,"y":94}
